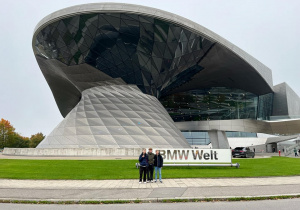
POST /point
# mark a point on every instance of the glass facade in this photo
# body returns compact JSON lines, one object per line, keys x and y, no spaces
{"x":265,"y":106}
{"x":196,"y":137}
{"x":155,"y":55}
{"x":217,"y":103}
{"x":202,"y":137}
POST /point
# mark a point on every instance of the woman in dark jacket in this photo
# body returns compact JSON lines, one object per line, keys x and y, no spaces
{"x":143,"y":159}
{"x":158,"y":164}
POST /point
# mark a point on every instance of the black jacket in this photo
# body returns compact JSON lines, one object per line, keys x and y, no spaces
{"x":158,"y":161}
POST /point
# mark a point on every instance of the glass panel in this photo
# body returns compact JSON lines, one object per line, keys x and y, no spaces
{"x":202,"y":137}
{"x":265,"y":105}
{"x":196,"y":137}
{"x":217,"y":103}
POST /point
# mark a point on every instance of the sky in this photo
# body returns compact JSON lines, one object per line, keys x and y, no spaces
{"x":269,"y":30}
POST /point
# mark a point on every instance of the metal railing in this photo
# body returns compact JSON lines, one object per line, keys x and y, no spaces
{"x":237,"y":165}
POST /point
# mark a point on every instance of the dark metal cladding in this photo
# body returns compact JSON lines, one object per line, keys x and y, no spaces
{"x":141,"y":50}
{"x":158,"y":56}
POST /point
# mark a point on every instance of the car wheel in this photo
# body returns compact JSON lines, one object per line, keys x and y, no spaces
{"x":246,"y":156}
{"x":253,"y":156}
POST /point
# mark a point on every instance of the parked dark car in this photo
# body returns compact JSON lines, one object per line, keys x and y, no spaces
{"x":243,"y":152}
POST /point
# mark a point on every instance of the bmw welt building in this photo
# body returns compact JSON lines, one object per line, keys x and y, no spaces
{"x":129,"y":76}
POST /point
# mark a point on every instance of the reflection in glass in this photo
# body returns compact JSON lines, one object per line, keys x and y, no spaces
{"x":202,"y":137}
{"x":217,"y":103}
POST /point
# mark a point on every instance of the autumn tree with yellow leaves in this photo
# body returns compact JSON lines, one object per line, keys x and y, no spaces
{"x":10,"y":138}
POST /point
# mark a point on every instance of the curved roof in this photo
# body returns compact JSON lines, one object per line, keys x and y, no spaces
{"x":164,"y":53}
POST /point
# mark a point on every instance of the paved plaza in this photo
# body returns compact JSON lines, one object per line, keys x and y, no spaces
{"x":56,"y":190}
{"x":134,"y":184}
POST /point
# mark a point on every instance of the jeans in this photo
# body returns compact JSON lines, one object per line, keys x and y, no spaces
{"x":143,"y":170}
{"x":159,"y":171}
{"x":150,"y":173}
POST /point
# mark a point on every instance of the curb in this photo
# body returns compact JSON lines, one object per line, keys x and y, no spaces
{"x":150,"y":200}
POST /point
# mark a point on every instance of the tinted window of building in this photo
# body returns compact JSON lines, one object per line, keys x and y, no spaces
{"x":265,"y":106}
{"x":202,"y":137}
{"x":217,"y":103}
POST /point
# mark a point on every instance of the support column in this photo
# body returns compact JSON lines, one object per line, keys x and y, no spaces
{"x":218,"y":139}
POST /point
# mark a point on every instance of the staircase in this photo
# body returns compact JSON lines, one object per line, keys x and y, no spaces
{"x":289,"y":151}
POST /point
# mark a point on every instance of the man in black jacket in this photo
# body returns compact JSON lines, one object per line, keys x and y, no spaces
{"x":158,"y":164}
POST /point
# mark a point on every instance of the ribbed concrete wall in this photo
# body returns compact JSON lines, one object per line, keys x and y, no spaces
{"x":126,"y":152}
{"x":116,"y":116}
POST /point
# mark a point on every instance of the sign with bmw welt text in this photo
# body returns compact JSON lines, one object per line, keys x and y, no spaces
{"x":195,"y":155}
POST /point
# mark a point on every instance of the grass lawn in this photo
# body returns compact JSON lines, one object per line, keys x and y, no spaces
{"x":125,"y":169}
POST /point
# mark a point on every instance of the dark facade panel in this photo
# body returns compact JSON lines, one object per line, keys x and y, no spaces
{"x":64,"y":91}
{"x":217,"y":103}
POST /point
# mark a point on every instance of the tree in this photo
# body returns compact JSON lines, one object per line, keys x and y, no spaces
{"x":7,"y":132}
{"x":17,"y":141}
{"x":10,"y":138}
{"x":36,"y":139}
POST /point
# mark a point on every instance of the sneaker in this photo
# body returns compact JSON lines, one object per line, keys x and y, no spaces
{"x":140,"y":182}
{"x":145,"y":182}
{"x":151,"y":181}
{"x":160,"y":181}
{"x":148,"y":181}
{"x":155,"y":181}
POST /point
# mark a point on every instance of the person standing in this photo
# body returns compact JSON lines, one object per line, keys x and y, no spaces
{"x":143,"y":159}
{"x":158,"y":164}
{"x":295,"y":151}
{"x":150,"y":165}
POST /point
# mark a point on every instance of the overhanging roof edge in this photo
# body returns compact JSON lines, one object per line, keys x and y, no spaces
{"x":263,"y":70}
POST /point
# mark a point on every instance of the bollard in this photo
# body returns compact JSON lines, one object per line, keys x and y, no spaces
{"x":279,"y":152}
